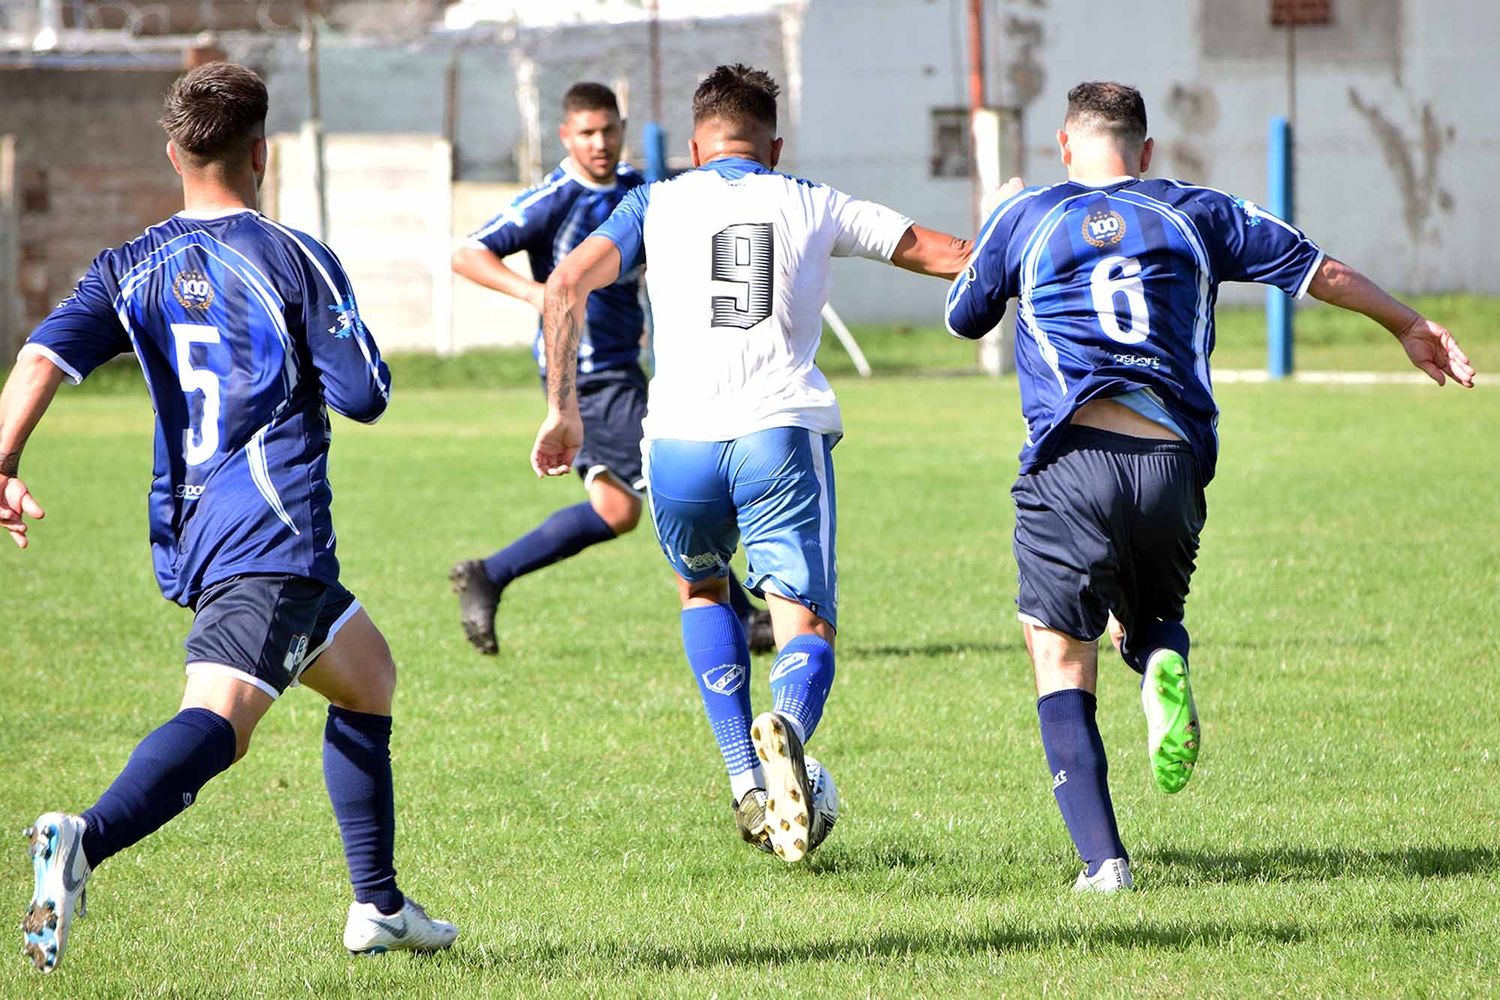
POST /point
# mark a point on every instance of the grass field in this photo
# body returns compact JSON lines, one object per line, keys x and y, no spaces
{"x":565,"y":804}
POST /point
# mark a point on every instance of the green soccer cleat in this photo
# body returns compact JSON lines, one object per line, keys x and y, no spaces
{"x":1172,"y":735}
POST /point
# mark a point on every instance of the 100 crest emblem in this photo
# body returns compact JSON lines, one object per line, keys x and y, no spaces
{"x":1104,"y":229}
{"x":192,"y":290}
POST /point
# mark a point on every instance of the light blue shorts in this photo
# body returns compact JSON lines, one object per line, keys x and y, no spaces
{"x":772,"y":489}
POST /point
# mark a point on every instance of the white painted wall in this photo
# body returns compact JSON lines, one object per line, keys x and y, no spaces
{"x":1212,"y":74}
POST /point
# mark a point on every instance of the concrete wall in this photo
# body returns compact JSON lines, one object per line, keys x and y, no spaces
{"x":90,"y":171}
{"x":1397,"y":135}
{"x":388,"y":212}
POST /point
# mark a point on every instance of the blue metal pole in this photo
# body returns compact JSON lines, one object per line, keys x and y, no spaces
{"x":654,"y":138}
{"x":1279,"y":306}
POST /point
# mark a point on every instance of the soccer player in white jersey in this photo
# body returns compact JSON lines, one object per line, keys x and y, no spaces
{"x":1116,"y":278}
{"x":547,"y":222}
{"x":741,"y":425}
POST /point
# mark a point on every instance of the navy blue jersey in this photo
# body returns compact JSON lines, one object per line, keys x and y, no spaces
{"x":547,"y":222}
{"x":244,"y":329}
{"x":1115,"y":290}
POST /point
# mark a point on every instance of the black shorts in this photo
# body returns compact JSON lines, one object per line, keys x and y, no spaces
{"x":612,"y":404}
{"x":265,"y":629}
{"x":1110,"y":523}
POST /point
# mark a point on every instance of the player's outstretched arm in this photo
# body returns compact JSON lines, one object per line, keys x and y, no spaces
{"x":27,"y":394}
{"x":927,"y":251}
{"x":1429,"y":345}
{"x":593,"y":264}
{"x":484,"y":267}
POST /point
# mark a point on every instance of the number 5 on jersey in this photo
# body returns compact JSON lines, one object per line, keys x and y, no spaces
{"x":744,"y":254}
{"x":201,"y":440}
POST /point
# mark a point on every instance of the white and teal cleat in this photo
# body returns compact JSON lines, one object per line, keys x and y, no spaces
{"x":1112,"y":876}
{"x":57,"y":859}
{"x":1172,"y":735}
{"x":370,"y":932}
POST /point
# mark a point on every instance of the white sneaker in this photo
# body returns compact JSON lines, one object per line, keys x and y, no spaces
{"x":1112,"y":876}
{"x":370,"y":932}
{"x":61,"y":871}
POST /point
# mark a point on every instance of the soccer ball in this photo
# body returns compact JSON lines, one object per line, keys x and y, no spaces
{"x":825,"y":796}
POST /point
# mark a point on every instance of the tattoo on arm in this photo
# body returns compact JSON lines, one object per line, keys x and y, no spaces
{"x":10,"y":463}
{"x":562,"y":334}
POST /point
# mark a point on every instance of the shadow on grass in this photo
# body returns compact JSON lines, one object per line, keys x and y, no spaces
{"x":1296,"y":864}
{"x":901,"y":943}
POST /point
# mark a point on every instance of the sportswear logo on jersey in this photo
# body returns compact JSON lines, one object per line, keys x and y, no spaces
{"x":787,"y":664}
{"x":1252,"y":212}
{"x":1136,"y":360}
{"x":192,"y":290}
{"x":295,"y":652}
{"x":697,"y":564}
{"x":348,"y":318}
{"x":727,"y":678}
{"x":1059,"y":779}
{"x":1104,"y":227}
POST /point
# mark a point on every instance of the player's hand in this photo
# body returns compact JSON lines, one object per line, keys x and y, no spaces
{"x":1011,"y":188}
{"x":557,"y":442}
{"x":1432,"y":348}
{"x":16,"y":500}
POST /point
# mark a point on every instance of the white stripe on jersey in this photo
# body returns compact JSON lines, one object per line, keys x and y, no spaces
{"x":961,"y":282}
{"x":1031,"y":256}
{"x":512,"y":212}
{"x":345,"y":294}
{"x":1202,"y":316}
{"x":260,"y":472}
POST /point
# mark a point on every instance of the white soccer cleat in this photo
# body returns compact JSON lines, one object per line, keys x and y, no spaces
{"x":789,"y":793}
{"x":370,"y":932}
{"x":61,"y":870}
{"x":1112,"y":876}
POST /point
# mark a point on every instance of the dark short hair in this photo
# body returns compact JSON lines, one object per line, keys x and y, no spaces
{"x":1115,"y":108}
{"x":589,"y":97}
{"x":737,"y":94}
{"x":216,"y":112}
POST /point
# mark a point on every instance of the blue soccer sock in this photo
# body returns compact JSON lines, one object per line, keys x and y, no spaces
{"x":720,"y":657}
{"x":1080,"y":774}
{"x":160,"y":780}
{"x":1150,"y":637}
{"x":357,"y":771}
{"x":801,"y":678}
{"x":565,"y":533}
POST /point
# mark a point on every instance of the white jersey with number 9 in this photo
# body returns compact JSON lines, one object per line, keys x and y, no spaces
{"x":737,"y":273}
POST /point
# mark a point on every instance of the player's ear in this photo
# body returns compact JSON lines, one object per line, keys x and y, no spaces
{"x":1062,"y":145}
{"x":776,"y":145}
{"x":172,"y":155}
{"x":693,"y":150}
{"x":1146,"y":152}
{"x":260,"y":153}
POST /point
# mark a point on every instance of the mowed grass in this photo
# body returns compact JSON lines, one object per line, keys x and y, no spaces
{"x":565,"y":804}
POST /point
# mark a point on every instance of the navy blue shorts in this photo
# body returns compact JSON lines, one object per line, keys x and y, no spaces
{"x":265,"y":629}
{"x":1111,"y":523}
{"x":612,"y":404}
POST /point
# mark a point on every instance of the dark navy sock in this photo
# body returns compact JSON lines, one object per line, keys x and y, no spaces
{"x":1080,"y":774}
{"x":565,"y":533}
{"x":739,"y":600}
{"x":801,"y":678}
{"x":1151,"y":637}
{"x":160,"y":780}
{"x":357,"y":771}
{"x":720,"y":657}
